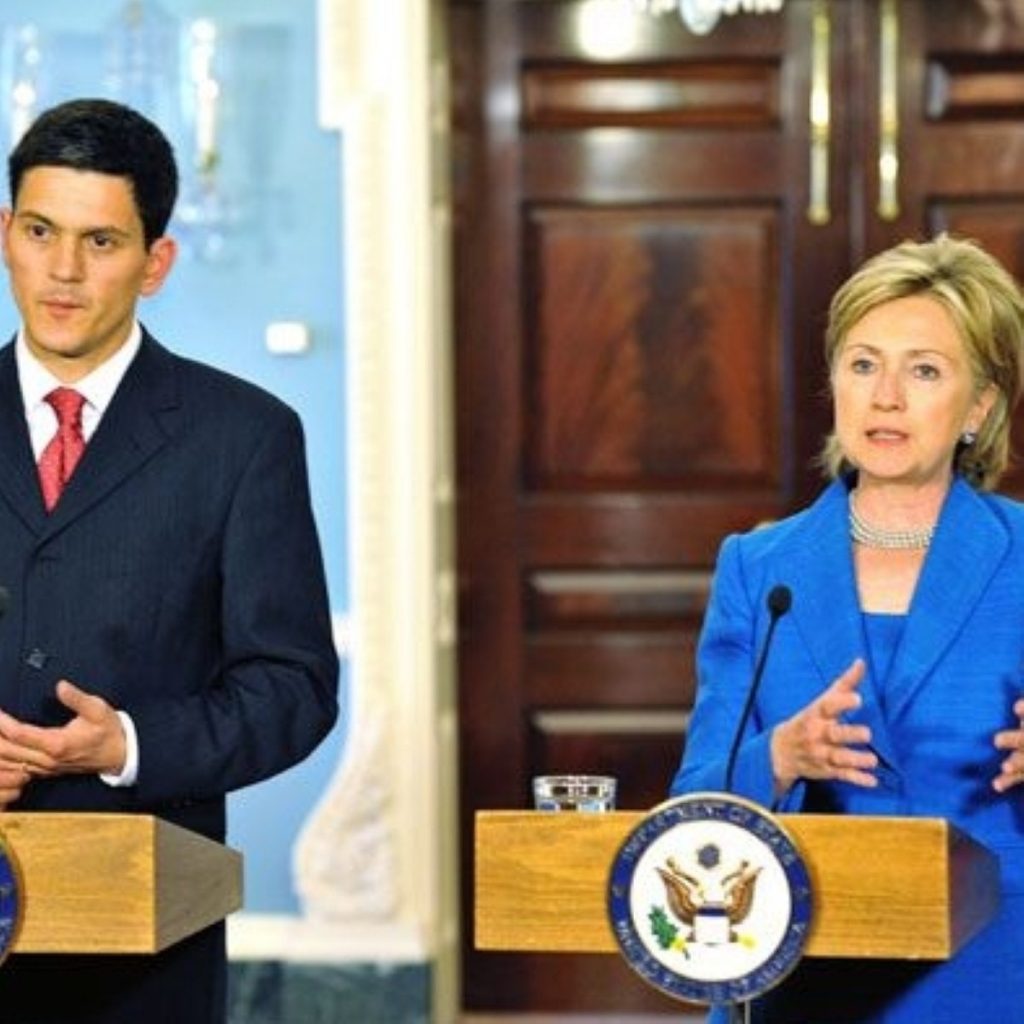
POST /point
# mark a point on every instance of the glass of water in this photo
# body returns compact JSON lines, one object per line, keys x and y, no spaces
{"x":574,"y":793}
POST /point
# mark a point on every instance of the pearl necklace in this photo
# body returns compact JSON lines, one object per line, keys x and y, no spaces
{"x":892,"y":540}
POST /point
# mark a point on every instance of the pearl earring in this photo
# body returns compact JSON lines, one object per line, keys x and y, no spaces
{"x":968,"y":437}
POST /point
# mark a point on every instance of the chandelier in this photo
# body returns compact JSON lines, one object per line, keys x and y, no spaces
{"x":701,"y":16}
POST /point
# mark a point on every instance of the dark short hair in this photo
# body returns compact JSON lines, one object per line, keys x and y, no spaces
{"x":109,"y":138}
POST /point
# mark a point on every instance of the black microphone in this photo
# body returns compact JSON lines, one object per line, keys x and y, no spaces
{"x":5,"y":601}
{"x":780,"y":599}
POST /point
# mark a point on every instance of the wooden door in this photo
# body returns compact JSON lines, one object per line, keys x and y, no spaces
{"x":641,"y":290}
{"x":958,"y":95}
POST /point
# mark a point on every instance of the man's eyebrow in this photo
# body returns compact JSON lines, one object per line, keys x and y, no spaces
{"x":97,"y":229}
{"x":33,"y":214}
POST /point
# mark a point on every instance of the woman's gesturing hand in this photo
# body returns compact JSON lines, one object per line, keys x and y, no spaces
{"x":1011,"y":771}
{"x":817,"y":744}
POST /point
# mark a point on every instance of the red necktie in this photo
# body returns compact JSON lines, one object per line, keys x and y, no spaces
{"x":61,"y":455}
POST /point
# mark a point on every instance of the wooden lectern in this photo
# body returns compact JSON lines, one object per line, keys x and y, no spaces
{"x":116,"y":883}
{"x":901,"y":888}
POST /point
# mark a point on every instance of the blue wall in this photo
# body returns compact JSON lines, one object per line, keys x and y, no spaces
{"x":280,"y":260}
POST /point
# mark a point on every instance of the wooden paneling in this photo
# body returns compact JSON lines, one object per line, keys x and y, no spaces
{"x":640,"y":304}
{"x":608,"y":667}
{"x":979,"y":88}
{"x":607,"y":166}
{"x":643,"y":316}
{"x":656,"y":529}
{"x":116,"y":883}
{"x":669,"y":95}
{"x":631,"y":746}
{"x":887,"y":887}
{"x":631,"y":342}
{"x":961,"y":135}
{"x":1000,"y":224}
{"x":653,"y":599}
{"x":1000,"y":227}
{"x":613,"y":669}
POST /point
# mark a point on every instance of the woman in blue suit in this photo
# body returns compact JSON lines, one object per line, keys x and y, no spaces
{"x":895,"y":682}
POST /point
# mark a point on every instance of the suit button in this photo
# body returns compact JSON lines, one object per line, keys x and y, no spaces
{"x":36,"y":658}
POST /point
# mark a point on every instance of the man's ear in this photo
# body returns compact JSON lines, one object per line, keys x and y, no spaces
{"x":159,"y":261}
{"x":6,"y":218}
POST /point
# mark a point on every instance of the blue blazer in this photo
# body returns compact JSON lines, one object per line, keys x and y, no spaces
{"x":951,"y":685}
{"x":180,"y":578}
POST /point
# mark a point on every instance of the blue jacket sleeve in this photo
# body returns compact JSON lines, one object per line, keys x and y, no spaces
{"x":726,"y":656}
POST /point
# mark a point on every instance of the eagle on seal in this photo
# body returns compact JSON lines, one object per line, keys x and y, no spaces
{"x":689,"y":898}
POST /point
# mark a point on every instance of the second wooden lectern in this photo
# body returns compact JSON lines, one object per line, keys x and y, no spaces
{"x":913,"y":888}
{"x":116,"y":883}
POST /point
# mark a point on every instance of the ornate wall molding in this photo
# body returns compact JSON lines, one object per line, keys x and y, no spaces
{"x":377,"y":857}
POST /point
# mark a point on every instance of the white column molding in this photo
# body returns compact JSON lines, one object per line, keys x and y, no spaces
{"x":377,"y":856}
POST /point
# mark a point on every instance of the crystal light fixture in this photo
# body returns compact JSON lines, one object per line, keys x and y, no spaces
{"x":24,"y":55}
{"x":701,"y":16}
{"x":207,"y":211}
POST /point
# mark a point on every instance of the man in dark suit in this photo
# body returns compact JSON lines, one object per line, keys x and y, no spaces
{"x":168,"y":637}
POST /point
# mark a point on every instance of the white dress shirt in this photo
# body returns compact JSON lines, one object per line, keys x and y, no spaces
{"x":98,"y":388}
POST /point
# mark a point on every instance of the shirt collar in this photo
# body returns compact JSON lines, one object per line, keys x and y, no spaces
{"x":98,"y":387}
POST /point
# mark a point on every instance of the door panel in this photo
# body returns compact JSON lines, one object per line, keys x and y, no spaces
{"x":621,"y":355}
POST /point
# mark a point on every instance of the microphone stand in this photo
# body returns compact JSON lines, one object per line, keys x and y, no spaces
{"x":780,"y":598}
{"x":739,"y":1013}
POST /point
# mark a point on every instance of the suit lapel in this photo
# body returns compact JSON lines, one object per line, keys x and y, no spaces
{"x":968,"y":547}
{"x":826,"y":607}
{"x":19,"y":485}
{"x":135,"y":426}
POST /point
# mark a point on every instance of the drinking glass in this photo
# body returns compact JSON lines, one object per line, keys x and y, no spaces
{"x":574,"y":793}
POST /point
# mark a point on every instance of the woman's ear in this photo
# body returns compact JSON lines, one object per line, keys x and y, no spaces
{"x":983,"y":403}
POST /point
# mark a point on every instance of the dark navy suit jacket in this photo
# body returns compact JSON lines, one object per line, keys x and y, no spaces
{"x":950,"y":687}
{"x":180,"y":578}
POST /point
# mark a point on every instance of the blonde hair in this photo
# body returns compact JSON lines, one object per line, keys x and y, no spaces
{"x":986,"y":306}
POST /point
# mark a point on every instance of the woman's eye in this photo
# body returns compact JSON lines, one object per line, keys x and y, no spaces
{"x":861,"y":365}
{"x":926,"y":371}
